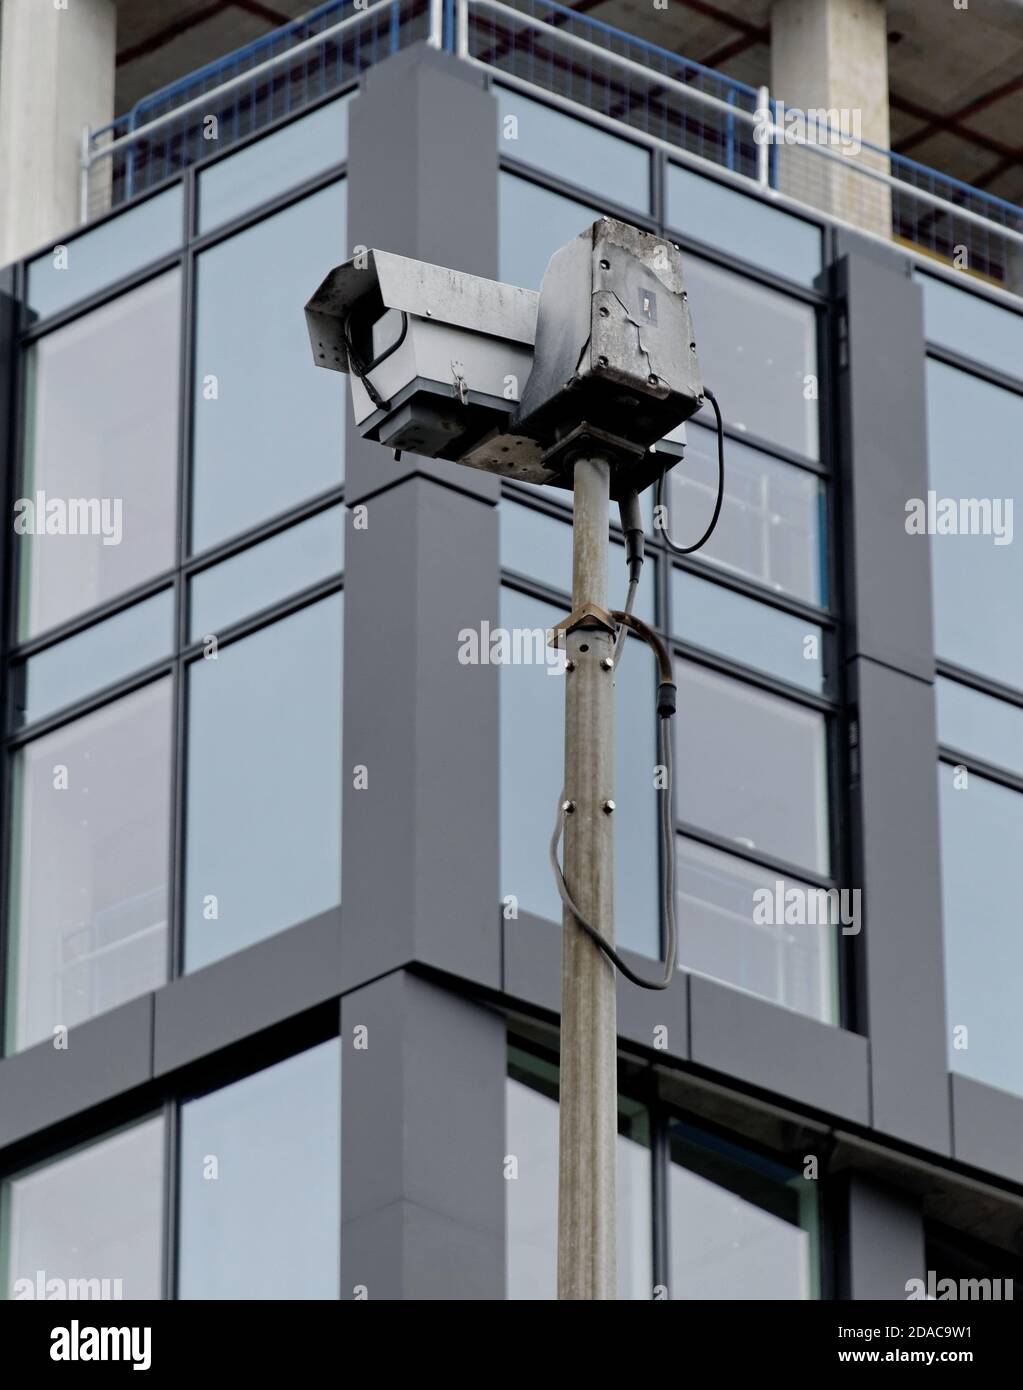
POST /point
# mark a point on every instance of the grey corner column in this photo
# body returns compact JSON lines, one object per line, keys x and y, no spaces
{"x":892,"y":743}
{"x":420,"y":869}
{"x":884,"y":1242}
{"x":423,"y":1102}
{"x":423,"y":1144}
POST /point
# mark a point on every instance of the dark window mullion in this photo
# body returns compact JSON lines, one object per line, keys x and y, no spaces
{"x":176,"y":886}
{"x":171,"y":1164}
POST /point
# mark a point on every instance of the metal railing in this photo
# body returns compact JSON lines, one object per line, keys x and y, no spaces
{"x":216,"y":106}
{"x":626,"y":82}
{"x":582,"y":64}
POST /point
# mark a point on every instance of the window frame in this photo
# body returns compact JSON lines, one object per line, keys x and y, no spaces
{"x":638,"y":1083}
{"x":165,"y":1098}
{"x":177,"y":577}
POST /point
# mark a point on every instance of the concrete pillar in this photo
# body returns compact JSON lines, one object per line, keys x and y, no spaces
{"x":57,"y":61}
{"x":832,"y":55}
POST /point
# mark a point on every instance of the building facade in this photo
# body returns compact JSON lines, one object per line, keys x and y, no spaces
{"x":279,"y":937}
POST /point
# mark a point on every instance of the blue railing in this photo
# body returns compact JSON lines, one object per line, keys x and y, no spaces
{"x":713,"y":117}
{"x":575,"y":58}
{"x":615,"y":74}
{"x":217,"y":105}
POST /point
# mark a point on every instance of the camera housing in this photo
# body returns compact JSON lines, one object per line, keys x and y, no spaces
{"x":435,"y":355}
{"x":438,"y":358}
{"x":614,"y":351}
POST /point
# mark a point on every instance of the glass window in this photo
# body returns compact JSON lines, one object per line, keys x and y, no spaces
{"x":974,"y":431}
{"x":972,"y":325}
{"x":772,"y":526}
{"x":749,"y":228}
{"x":90,"y":866}
{"x":531,"y":1221}
{"x":268,"y":423}
{"x":711,"y":616}
{"x":534,"y":223}
{"x":273,"y":165}
{"x":264,"y":791}
{"x":573,"y":150}
{"x":741,"y":1226}
{"x":981,"y":835}
{"x":735,"y":925}
{"x":539,"y":546}
{"x":99,"y":510}
{"x":758,"y":353}
{"x":261,"y":1184}
{"x":117,"y":248}
{"x":89,"y":1224}
{"x":752,"y":767}
{"x":532,"y":765}
{"x":266,"y":573}
{"x":101,"y":655}
{"x":980,"y":726}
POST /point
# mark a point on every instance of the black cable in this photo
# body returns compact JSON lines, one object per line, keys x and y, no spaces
{"x":666,"y":699}
{"x":665,"y":711}
{"x":362,"y":370}
{"x":665,"y":530}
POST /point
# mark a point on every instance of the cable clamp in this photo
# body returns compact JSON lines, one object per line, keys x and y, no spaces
{"x":589,"y":615}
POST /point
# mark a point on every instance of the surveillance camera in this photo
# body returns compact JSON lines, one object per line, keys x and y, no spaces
{"x":439,"y":359}
{"x":436,"y":356}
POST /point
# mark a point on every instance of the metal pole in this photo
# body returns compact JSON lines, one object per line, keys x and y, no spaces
{"x":587,"y":1266}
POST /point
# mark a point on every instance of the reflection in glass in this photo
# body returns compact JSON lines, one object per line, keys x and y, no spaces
{"x":90,"y":866}
{"x":123,"y":244}
{"x":101,"y":446}
{"x":981,"y":836}
{"x":969,"y":324}
{"x":979,"y":725}
{"x":752,"y":767}
{"x":531,"y":1223}
{"x":573,"y":150}
{"x":532,"y":763}
{"x":534,"y":223}
{"x":974,"y":431}
{"x":268,"y":1226}
{"x":747,"y":228}
{"x":271,"y":166}
{"x":268,"y":429}
{"x":741,"y":1226}
{"x":102,"y":654}
{"x":757,"y":350}
{"x":94,"y":1216}
{"x":540,"y":547}
{"x":264,"y":794}
{"x":268,"y":572}
{"x":731,"y":924}
{"x":711,"y":616}
{"x":772,"y":525}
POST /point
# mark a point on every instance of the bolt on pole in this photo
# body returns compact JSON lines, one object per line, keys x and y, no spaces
{"x":587,"y":1265}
